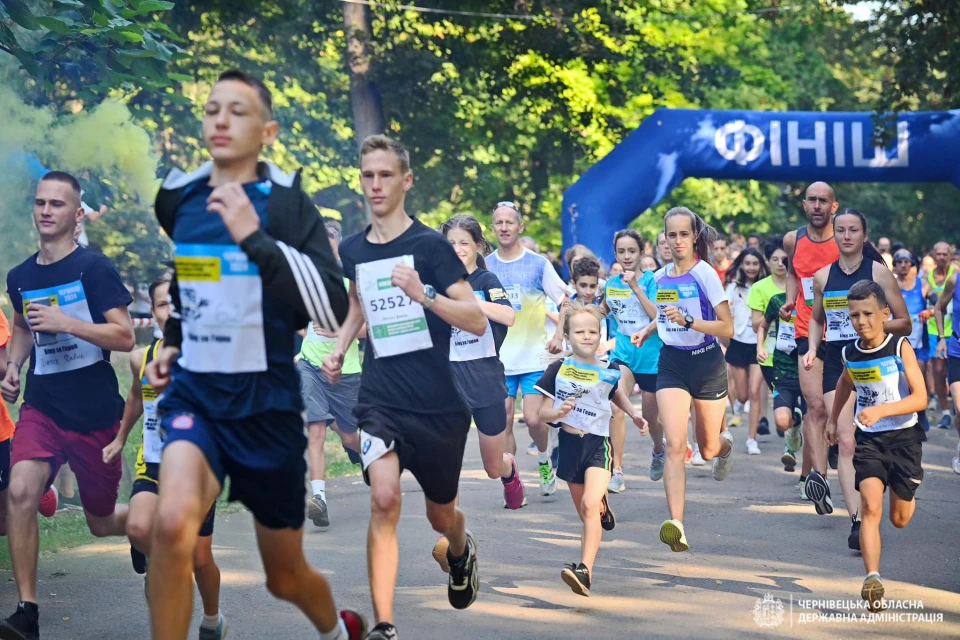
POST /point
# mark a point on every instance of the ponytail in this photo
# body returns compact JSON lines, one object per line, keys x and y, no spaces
{"x":705,"y":233}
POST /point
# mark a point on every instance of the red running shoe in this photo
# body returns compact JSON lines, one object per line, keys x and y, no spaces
{"x":356,"y":624}
{"x":689,"y":455}
{"x":48,"y":502}
{"x":514,"y":495}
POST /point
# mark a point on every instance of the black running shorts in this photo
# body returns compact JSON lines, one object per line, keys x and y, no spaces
{"x":430,"y":445}
{"x":787,"y":394}
{"x":5,"y":463}
{"x":741,"y":354}
{"x":803,"y":345}
{"x":833,"y":365}
{"x":149,"y":481}
{"x":579,"y":453}
{"x":893,"y":457}
{"x":701,"y":372}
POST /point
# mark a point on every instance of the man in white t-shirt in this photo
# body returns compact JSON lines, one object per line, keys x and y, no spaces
{"x":529,"y":279}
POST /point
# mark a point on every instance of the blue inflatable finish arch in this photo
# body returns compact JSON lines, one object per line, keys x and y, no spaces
{"x":673,"y":144}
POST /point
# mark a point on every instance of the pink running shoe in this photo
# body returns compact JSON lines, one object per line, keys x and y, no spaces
{"x":48,"y":502}
{"x":689,"y":455}
{"x":514,"y":495}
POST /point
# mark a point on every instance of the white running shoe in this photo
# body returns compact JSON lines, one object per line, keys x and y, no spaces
{"x":532,"y":449}
{"x":548,"y":479}
{"x":723,"y":464}
{"x":698,"y":460}
{"x":616,"y":481}
{"x":752,"y":448}
{"x":956,"y":460}
{"x":672,"y":533}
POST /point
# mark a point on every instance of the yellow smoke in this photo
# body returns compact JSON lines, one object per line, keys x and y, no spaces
{"x":104,"y":140}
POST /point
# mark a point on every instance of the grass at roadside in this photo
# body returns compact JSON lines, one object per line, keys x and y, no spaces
{"x":68,"y":527}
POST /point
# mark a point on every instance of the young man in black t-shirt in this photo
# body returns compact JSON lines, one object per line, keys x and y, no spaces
{"x":410,"y":287}
{"x":70,"y":312}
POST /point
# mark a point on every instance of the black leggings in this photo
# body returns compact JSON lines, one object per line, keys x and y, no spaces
{"x":490,"y":420}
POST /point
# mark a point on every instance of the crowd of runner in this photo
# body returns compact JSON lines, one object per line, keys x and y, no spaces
{"x":848,"y":338}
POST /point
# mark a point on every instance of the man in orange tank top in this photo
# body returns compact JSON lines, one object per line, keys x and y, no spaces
{"x":810,"y":248}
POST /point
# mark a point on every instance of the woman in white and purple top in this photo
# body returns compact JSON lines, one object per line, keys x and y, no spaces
{"x":693,"y":313}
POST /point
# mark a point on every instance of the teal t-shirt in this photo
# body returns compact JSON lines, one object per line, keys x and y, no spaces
{"x":631,"y":317}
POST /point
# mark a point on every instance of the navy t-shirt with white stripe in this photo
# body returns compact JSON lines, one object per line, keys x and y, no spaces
{"x":229,"y":396}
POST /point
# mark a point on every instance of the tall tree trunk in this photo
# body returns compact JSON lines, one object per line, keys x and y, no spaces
{"x":364,"y":96}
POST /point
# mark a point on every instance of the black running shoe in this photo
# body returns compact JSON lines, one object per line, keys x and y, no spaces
{"x":139,"y":560}
{"x":608,"y":519}
{"x":818,"y":492}
{"x":21,"y":625}
{"x":577,"y":578}
{"x":763,"y":427}
{"x":464,"y":582}
{"x":833,"y":455}
{"x":853,"y":540}
{"x":383,"y":631}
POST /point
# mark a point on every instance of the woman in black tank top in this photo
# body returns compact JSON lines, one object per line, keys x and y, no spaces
{"x":859,"y":260}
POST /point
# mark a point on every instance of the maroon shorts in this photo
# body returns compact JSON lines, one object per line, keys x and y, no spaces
{"x":39,"y":438}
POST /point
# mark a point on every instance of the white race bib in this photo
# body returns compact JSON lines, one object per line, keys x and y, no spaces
{"x":591,"y":386}
{"x":313,"y":336}
{"x":68,"y":353}
{"x":837,"y":311}
{"x":786,"y":335}
{"x":396,"y":324}
{"x":221,"y":310}
{"x":627,"y":310}
{"x":465,"y":346}
{"x":516,"y":299}
{"x":152,"y":441}
{"x":807,"y":284}
{"x":686,"y":298}
{"x":916,"y":331}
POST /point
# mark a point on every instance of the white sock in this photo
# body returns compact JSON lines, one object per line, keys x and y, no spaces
{"x":319,"y":488}
{"x":543,"y":456}
{"x":873,"y":573}
{"x":947,"y":413}
{"x":339,"y":632}
{"x":210,"y":622}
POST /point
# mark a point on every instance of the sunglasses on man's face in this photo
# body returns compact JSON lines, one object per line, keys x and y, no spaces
{"x":899,"y":260}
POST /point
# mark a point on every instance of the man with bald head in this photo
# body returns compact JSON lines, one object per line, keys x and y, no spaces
{"x":942,"y":255}
{"x":810,"y":248}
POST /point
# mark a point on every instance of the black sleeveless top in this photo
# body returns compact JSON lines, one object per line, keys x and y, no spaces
{"x":839,"y":329}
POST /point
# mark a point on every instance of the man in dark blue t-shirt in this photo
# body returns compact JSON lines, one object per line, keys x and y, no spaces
{"x":253,"y":265}
{"x":70,"y":312}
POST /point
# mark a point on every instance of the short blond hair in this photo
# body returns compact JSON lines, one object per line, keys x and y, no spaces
{"x":381,"y":142}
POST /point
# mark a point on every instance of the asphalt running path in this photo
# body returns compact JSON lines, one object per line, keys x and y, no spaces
{"x":751,"y":536}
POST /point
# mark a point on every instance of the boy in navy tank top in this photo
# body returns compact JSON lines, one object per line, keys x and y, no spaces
{"x":882,"y":370}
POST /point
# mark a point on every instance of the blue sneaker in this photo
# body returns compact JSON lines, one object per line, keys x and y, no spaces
{"x":220,"y":633}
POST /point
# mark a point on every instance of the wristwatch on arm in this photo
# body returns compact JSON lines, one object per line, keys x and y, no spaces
{"x":429,"y":295}
{"x":688,"y":320}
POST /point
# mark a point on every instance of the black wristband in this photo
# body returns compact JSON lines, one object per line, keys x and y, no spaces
{"x":9,"y":362}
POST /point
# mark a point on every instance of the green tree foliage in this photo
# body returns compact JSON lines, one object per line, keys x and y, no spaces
{"x":90,"y":48}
